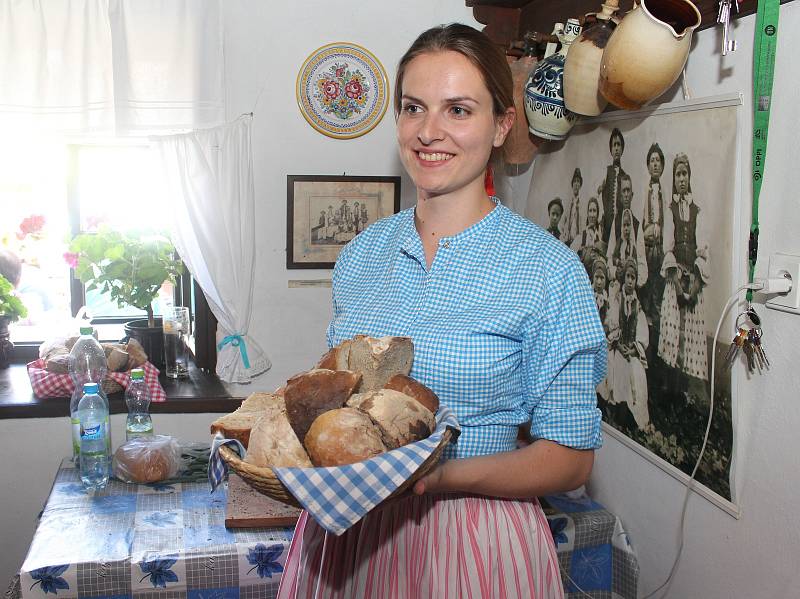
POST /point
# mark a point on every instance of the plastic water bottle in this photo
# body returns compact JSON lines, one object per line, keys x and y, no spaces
{"x":87,"y":364}
{"x":95,"y":456}
{"x":137,"y":396}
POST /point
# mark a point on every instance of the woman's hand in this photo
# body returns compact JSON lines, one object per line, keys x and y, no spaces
{"x":431,"y":482}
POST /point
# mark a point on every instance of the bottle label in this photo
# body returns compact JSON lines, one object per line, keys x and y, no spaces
{"x":93,"y":433}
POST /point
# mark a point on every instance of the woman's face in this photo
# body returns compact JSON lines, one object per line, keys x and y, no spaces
{"x":630,"y":280}
{"x":626,"y":228}
{"x":599,"y":280}
{"x":592,"y":213}
{"x":682,"y":179}
{"x":447,"y":128}
{"x":654,"y":166}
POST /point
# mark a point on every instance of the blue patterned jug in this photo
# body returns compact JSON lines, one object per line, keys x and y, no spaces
{"x":544,"y":91}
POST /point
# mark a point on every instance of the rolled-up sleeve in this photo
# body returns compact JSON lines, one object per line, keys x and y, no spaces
{"x":565,"y":359}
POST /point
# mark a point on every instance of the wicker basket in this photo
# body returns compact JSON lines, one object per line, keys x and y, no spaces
{"x":263,"y":479}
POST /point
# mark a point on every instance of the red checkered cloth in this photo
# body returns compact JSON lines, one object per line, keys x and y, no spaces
{"x":50,"y":384}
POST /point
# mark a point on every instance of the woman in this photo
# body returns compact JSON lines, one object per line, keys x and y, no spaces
{"x":505,"y":330}
{"x":628,"y":340}
{"x":682,"y":343}
{"x":572,"y":217}
{"x":589,"y":244}
{"x":629,"y":246}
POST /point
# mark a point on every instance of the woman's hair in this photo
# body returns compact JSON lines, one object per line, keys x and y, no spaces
{"x":681,"y":158}
{"x":476,"y":47}
{"x":654,"y":149}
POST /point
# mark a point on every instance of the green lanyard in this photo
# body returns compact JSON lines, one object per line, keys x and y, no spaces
{"x":764,"y":52}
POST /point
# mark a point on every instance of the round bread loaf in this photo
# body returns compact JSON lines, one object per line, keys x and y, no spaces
{"x":147,"y":460}
{"x":343,"y":436}
{"x":401,"y":418}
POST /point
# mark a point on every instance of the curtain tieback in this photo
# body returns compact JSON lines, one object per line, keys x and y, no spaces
{"x":236,"y":341}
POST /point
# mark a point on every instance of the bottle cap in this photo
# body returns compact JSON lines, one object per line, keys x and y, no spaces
{"x":86,"y":330}
{"x":137,"y":374}
{"x":90,"y":388}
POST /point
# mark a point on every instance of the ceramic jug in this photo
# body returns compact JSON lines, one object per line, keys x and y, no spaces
{"x":519,"y":147}
{"x":647,"y":51}
{"x":544,"y":96}
{"x":582,"y":67}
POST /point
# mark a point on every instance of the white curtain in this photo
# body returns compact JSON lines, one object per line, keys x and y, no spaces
{"x":209,"y":182}
{"x":110,"y":66}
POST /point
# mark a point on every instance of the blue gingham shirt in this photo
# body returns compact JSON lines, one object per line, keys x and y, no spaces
{"x":504,"y":325}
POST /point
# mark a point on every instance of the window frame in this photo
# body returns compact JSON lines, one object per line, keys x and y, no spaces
{"x":205,"y":324}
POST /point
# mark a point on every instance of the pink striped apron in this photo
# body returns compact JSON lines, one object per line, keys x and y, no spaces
{"x":446,"y":546}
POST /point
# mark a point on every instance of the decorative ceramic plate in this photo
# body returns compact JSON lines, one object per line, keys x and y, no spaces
{"x":342,"y":90}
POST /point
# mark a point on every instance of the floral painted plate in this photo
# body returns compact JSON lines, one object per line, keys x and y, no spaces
{"x":342,"y":90}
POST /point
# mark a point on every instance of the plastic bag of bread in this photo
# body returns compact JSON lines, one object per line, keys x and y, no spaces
{"x":147,"y":459}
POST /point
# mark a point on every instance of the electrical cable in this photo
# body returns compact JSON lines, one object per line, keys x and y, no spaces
{"x":731,"y":300}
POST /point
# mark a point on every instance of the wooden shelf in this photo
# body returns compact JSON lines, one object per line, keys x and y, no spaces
{"x":507,"y":21}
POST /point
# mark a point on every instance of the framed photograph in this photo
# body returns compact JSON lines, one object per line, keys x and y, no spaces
{"x":647,"y":200}
{"x":324,"y":212}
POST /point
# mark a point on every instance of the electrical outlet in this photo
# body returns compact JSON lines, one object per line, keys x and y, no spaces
{"x":779,"y":266}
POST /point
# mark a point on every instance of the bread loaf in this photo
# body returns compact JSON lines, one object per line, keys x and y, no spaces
{"x":273,"y":442}
{"x":413,"y":388}
{"x":259,"y":401}
{"x":336,"y":358}
{"x":401,"y":418}
{"x":238,"y":424}
{"x":313,"y":393}
{"x":378,"y":360}
{"x":343,"y":436}
{"x":147,"y":459}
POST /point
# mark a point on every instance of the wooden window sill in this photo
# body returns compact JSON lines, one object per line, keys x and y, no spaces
{"x":202,"y":392}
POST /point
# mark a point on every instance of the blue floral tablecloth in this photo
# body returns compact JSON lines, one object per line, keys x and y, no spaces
{"x":594,"y":552}
{"x":147,"y":541}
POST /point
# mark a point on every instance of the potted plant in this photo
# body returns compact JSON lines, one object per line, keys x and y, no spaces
{"x":11,"y":310}
{"x":130,"y":268}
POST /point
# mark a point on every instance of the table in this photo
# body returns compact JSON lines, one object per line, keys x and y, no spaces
{"x":594,"y":551}
{"x":147,"y":541}
{"x":169,"y":541}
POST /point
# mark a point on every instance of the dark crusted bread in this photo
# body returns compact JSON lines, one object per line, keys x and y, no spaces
{"x":413,"y":388}
{"x":312,"y":393}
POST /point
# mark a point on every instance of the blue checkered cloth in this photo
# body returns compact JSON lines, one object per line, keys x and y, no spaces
{"x":217,"y":467}
{"x":339,"y":497}
{"x":504,"y":325}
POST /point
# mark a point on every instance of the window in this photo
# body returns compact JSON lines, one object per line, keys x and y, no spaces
{"x":50,"y":192}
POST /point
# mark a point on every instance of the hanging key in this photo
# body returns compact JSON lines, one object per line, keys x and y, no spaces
{"x":749,"y":354}
{"x":724,"y":19}
{"x":755,"y":340}
{"x":736,"y":345}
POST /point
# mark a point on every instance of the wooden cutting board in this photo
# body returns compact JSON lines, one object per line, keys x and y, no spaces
{"x":247,"y":508}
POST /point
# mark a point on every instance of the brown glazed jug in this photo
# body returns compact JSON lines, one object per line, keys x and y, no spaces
{"x":582,"y":67}
{"x":647,"y":51}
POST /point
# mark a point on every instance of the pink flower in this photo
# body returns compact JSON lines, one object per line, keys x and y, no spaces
{"x":340,"y":71}
{"x":31,"y":224}
{"x":353,"y":89}
{"x":330,"y":89}
{"x":71,"y":259}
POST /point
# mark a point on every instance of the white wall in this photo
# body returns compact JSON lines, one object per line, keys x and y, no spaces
{"x":266,"y":43}
{"x":755,"y":556}
{"x":266,"y":50}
